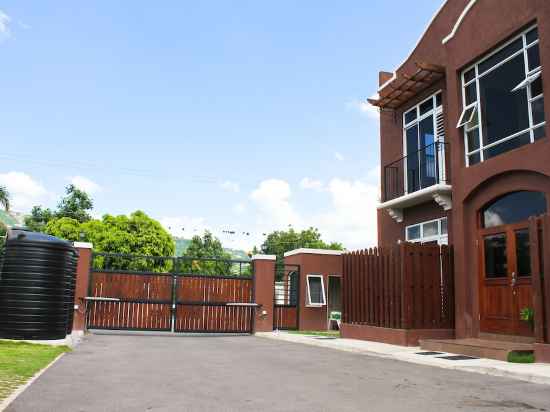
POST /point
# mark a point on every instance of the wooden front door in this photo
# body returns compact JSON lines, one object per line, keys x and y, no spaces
{"x":505,"y":279}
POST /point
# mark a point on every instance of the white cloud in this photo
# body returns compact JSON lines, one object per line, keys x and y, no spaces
{"x":231,"y":186}
{"x":311,"y":184}
{"x":239,"y":208}
{"x":339,"y":156}
{"x":272,"y":197}
{"x":25,"y":192}
{"x":85,"y":184}
{"x":184,"y":226}
{"x":5,"y":21}
{"x":364,"y":108}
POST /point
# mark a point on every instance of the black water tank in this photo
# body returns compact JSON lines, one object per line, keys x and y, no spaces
{"x":37,"y":283}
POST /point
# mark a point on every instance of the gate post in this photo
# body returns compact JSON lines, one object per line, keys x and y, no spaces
{"x":82,"y":281}
{"x":264,"y":278}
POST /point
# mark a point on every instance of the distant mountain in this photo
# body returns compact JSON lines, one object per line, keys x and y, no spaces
{"x":182,"y":245}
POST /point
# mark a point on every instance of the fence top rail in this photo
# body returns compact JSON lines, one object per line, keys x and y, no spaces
{"x":169,"y":274}
{"x":180,"y":258}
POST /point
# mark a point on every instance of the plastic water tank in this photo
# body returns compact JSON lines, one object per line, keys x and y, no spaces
{"x":37,"y":283}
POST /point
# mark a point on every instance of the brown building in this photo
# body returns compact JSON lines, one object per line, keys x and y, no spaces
{"x":465,"y":152}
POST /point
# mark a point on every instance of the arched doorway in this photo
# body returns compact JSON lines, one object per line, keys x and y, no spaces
{"x":505,"y":263}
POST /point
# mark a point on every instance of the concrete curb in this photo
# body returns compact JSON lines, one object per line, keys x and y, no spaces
{"x":6,"y":402}
{"x":534,"y":373}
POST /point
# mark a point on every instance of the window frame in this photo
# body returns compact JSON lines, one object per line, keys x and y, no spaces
{"x":530,"y":77}
{"x":416,"y":122}
{"x":314,"y":304}
{"x":441,"y":238}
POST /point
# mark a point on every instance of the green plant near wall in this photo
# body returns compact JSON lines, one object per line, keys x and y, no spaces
{"x":528,"y":315}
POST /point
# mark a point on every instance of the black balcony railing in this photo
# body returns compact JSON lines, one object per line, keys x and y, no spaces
{"x":416,"y":171}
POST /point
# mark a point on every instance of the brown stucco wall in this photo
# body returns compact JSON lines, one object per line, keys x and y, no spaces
{"x":488,"y":24}
{"x":314,"y":318}
{"x":81,"y":287}
{"x":264,"y":279}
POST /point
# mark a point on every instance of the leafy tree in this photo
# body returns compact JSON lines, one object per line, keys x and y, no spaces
{"x":279,"y":242}
{"x":64,"y":228}
{"x":39,"y":218}
{"x":212,"y":259}
{"x":4,"y":198}
{"x":76,"y":204}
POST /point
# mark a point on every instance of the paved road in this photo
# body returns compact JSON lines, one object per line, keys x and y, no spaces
{"x":153,"y":373}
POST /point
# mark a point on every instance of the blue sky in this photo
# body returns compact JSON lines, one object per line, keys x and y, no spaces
{"x":241,"y":115}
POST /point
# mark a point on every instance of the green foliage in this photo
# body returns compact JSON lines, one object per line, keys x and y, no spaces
{"x":206,"y":247}
{"x":4,"y":198}
{"x":528,"y":315}
{"x":521,"y":357}
{"x":76,"y":204}
{"x":64,"y":228}
{"x":279,"y":242}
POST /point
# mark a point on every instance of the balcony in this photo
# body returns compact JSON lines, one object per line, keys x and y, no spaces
{"x":416,"y":178}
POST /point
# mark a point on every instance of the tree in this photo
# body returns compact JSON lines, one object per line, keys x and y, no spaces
{"x":279,"y":242}
{"x":211,"y":258}
{"x":39,"y":218}
{"x":76,"y":204}
{"x":5,"y":198}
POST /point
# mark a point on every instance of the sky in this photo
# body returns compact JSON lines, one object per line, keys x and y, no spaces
{"x":231,"y":116}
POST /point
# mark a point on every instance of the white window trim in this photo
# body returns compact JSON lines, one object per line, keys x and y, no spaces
{"x":440,"y":238}
{"x":434,"y":112}
{"x":309,"y":303}
{"x":530,"y":76}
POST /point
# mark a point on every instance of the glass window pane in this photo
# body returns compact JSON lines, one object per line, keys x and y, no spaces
{"x":532,"y":35}
{"x":413,"y":175}
{"x":504,"y":112}
{"x":496,"y":262}
{"x":438,"y":99}
{"x":410,"y":116}
{"x":513,"y":208}
{"x":471,"y":93}
{"x":508,"y":145}
{"x":533,"y":57}
{"x":315,"y":290}
{"x":469,"y":75}
{"x":430,"y":229}
{"x":428,"y":161}
{"x":539,"y":133}
{"x":413,"y":232}
{"x":537,"y":108}
{"x":501,"y":55}
{"x":473,"y":140}
{"x":523,"y":254}
{"x":536,"y":87}
{"x":444,"y":226}
{"x":474,"y":159}
{"x":466,"y":116}
{"x":426,"y":106}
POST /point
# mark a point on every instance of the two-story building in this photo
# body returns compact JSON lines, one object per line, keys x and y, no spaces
{"x":465,"y":152}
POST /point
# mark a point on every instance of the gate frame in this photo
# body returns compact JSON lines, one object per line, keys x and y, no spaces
{"x":174,"y":274}
{"x":297,"y":270}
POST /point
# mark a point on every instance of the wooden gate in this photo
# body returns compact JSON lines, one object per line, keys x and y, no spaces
{"x":286,"y":308}
{"x":170,"y":294}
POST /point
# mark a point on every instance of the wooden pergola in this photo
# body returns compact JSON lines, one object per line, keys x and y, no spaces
{"x":405,"y":86}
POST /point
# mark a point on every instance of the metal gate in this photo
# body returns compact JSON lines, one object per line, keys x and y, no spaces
{"x":128,"y":292}
{"x":286,"y":310}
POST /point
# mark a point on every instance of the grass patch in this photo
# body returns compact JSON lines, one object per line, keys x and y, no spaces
{"x":521,"y":357}
{"x":20,"y":361}
{"x":332,"y":333}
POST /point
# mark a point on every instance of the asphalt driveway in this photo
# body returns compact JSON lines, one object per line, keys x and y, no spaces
{"x":246,"y":373}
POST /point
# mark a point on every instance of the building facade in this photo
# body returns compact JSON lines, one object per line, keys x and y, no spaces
{"x":465,"y":152}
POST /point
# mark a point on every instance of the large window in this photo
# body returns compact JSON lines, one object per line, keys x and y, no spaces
{"x":513,"y":208}
{"x":433,"y":231}
{"x":503,"y":101}
{"x":423,"y":132}
{"x":315,"y":290}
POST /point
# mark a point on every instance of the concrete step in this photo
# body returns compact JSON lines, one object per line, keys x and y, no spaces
{"x":478,"y":348}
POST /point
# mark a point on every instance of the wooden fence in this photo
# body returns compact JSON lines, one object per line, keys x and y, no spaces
{"x":539,"y":233}
{"x":407,"y":286}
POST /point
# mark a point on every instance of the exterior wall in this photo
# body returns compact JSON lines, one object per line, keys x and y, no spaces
{"x":314,"y":318}
{"x":264,"y":273}
{"x":484,"y":27}
{"x":81,"y":289}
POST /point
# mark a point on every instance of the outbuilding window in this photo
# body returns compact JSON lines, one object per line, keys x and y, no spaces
{"x":428,"y":232}
{"x":315,"y":290}
{"x":502,"y":100}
